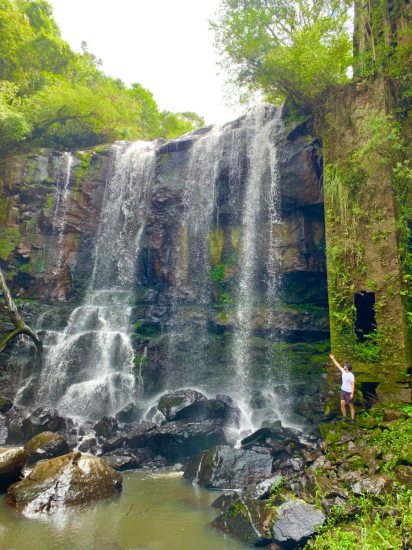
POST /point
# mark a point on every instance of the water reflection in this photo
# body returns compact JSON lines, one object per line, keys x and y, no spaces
{"x":156,"y":511}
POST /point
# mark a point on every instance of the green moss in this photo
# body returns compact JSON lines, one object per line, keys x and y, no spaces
{"x":83,"y":167}
{"x":216,"y":241}
{"x":9,"y":239}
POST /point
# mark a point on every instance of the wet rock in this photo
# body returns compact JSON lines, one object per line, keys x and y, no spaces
{"x":263,"y":489}
{"x":46,"y":445}
{"x":129,"y":414}
{"x":269,"y":437}
{"x":184,"y":439}
{"x":389,"y":415}
{"x":3,"y":430}
{"x":377,"y":485}
{"x":128,"y":459}
{"x":88,"y":445}
{"x":223,"y":502}
{"x":246,"y":520}
{"x":5,"y":404}
{"x":404,"y":475}
{"x":177,"y":440}
{"x":69,"y":480}
{"x":135,"y":438}
{"x":296,"y":521}
{"x":106,"y":427}
{"x":14,"y":424}
{"x":226,"y":468}
{"x":12,"y":461}
{"x":180,"y":404}
{"x":43,"y":420}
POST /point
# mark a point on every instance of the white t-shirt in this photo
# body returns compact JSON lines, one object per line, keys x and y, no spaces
{"x":347,"y":380}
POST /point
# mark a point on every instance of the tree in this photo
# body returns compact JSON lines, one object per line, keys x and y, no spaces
{"x":20,"y":326}
{"x":293,"y":49}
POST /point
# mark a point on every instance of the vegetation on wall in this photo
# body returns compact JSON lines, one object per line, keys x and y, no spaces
{"x":53,"y":96}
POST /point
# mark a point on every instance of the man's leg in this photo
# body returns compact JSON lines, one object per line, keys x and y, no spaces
{"x":343,"y":407}
{"x":352,"y":410}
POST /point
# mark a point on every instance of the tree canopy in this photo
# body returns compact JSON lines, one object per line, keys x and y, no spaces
{"x":286,"y":48}
{"x":53,"y":96}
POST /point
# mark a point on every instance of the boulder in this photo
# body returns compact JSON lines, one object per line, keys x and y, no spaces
{"x":12,"y":461}
{"x":404,"y":475}
{"x":389,"y":415}
{"x":46,"y":445}
{"x":88,"y":445}
{"x":128,"y":459}
{"x":295,"y":522}
{"x":246,"y":520}
{"x":270,"y":436}
{"x":226,"y":468}
{"x":69,"y":480}
{"x":5,"y":404}
{"x":43,"y":420}
{"x":130,"y":413}
{"x":177,"y":440}
{"x":180,"y":404}
{"x":105,"y":427}
{"x":375,"y":485}
{"x":14,"y":424}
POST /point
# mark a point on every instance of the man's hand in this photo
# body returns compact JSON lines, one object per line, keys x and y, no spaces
{"x":332,"y":356}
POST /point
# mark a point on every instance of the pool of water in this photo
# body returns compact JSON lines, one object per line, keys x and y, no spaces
{"x":156,"y":511}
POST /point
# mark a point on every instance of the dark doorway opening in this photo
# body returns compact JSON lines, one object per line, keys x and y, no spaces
{"x":365,"y":315}
{"x":368,"y":390}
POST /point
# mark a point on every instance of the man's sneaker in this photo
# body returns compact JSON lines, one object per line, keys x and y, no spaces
{"x":352,"y":421}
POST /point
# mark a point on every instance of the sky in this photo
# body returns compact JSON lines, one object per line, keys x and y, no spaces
{"x":164,"y":45}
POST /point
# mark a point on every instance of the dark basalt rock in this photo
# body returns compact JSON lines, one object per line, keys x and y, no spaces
{"x":43,"y":420}
{"x":46,"y":445}
{"x":127,"y":459}
{"x":70,"y":480}
{"x":88,"y":445}
{"x":269,"y":437}
{"x":296,"y":521}
{"x":12,"y":461}
{"x":180,"y":404}
{"x":106,"y":427}
{"x":130,"y":413}
{"x":14,"y":424}
{"x":5,"y":404}
{"x":175,"y":440}
{"x":132,"y":439}
{"x":226,"y":468}
{"x":246,"y":520}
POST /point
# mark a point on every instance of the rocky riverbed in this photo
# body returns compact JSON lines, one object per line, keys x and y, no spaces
{"x":281,"y":487}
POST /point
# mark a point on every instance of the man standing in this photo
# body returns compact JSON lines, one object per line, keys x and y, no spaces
{"x":347,"y":389}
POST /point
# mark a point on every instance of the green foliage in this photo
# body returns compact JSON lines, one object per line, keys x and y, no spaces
{"x":295,"y":49}
{"x":53,"y":96}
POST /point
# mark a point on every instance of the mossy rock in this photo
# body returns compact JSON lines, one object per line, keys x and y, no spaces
{"x":46,"y":445}
{"x":69,"y":480}
{"x":12,"y":461}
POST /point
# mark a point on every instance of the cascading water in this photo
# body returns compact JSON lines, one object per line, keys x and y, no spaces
{"x":192,"y":281}
{"x":260,"y":212}
{"x":89,"y":365}
{"x":61,"y":203}
{"x":246,"y":155}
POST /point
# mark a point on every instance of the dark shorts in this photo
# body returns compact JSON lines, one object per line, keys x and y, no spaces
{"x":345,"y":396}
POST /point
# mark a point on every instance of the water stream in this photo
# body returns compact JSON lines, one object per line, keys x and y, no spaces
{"x":156,"y":511}
{"x":89,"y":365}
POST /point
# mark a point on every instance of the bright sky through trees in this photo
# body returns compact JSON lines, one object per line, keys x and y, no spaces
{"x":165,"y":46}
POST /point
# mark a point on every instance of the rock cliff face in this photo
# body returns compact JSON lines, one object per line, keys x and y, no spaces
{"x":191,"y":253}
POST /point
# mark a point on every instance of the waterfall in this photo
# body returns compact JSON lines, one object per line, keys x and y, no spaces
{"x":258,"y":253}
{"x":61,"y":203}
{"x":192,"y":286}
{"x":89,"y":365}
